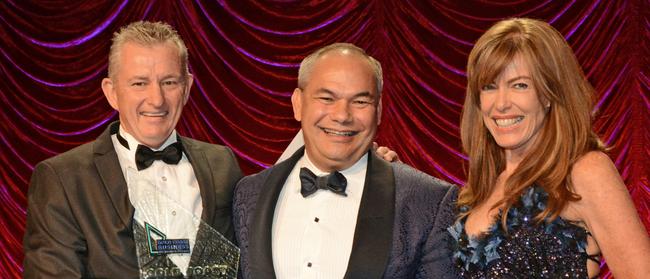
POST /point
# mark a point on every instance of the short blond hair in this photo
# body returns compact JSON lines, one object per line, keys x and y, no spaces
{"x":308,"y":62}
{"x":145,"y":33}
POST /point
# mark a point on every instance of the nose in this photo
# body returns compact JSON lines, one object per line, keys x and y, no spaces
{"x":156,"y":95}
{"x":502,"y":101}
{"x":340,"y":112}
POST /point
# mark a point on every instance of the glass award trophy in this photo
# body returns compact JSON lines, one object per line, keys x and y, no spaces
{"x":172,"y":242}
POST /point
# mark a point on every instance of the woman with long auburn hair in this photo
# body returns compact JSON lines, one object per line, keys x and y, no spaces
{"x":542,"y":199}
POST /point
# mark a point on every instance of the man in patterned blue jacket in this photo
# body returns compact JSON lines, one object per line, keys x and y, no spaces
{"x":334,"y":209}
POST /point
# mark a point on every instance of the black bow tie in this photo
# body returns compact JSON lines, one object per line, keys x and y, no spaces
{"x":144,"y":156}
{"x":310,"y":183}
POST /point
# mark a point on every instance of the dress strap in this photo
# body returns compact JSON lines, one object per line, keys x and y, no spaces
{"x":594,"y":257}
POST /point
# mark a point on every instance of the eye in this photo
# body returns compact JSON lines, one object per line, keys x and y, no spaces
{"x":169,"y":83}
{"x":490,"y":86}
{"x":138,"y":84}
{"x":325,"y":99}
{"x":361,"y":102}
{"x":520,"y":85}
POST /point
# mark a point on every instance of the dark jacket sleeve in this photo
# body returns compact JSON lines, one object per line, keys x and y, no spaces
{"x":436,"y":260}
{"x":53,"y":242}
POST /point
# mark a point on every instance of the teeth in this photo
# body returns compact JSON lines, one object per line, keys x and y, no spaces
{"x":508,"y":122}
{"x":154,"y":114}
{"x":339,"y":133}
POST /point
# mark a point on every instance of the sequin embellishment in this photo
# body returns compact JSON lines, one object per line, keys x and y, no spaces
{"x":552,"y":249}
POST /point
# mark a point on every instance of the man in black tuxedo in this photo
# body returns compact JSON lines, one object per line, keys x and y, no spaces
{"x":334,"y":209}
{"x":80,"y":215}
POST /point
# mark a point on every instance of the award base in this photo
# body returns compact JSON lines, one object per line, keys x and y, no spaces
{"x":213,"y":256}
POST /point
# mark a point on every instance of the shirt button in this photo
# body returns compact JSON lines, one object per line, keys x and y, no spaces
{"x":164,"y":178}
{"x":174,"y":212}
{"x":308,"y":264}
{"x":316,"y":219}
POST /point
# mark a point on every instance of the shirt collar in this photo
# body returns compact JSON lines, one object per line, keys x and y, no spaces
{"x":128,"y":154}
{"x":360,"y":165}
{"x":133,"y":143}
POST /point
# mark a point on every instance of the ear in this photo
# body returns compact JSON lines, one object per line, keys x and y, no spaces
{"x":109,"y":92}
{"x":296,"y":102}
{"x":379,"y":112}
{"x":547,"y":104}
{"x":188,"y":85}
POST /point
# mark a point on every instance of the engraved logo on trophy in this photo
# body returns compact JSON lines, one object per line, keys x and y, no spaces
{"x":172,"y":242}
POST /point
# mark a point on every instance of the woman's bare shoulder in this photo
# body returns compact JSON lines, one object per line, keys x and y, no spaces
{"x":594,"y":175}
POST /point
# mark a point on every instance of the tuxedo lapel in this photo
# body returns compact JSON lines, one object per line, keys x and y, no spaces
{"x":374,"y":230}
{"x":201,"y":168}
{"x":110,"y":172}
{"x":261,"y":256}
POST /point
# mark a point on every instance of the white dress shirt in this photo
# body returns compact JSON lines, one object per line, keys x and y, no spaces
{"x":312,"y":237}
{"x":150,"y":187}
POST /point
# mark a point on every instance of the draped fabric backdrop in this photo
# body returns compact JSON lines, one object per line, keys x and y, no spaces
{"x":245,"y":54}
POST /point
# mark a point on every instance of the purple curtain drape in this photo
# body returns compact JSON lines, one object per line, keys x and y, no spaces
{"x":245,"y":54}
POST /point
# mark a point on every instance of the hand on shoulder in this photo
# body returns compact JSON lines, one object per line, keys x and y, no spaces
{"x":385,"y":153}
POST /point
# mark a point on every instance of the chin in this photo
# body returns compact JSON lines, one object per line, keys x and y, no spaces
{"x":155,"y":137}
{"x":511,"y":145}
{"x":337,"y":158}
{"x":156,"y":130}
{"x":507,"y":144}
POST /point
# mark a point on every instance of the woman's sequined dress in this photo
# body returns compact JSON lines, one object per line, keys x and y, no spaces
{"x":553,"y":249}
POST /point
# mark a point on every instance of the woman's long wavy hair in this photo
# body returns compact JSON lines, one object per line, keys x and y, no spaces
{"x":566,"y":134}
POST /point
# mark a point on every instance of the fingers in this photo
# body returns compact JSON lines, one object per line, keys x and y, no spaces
{"x":387,"y":154}
{"x":391,"y":156}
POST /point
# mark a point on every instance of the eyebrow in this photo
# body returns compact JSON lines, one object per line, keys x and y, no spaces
{"x":170,"y":76}
{"x":519,"y":77}
{"x":360,"y":94}
{"x":147,"y":78}
{"x":139,"y":78}
{"x":325,"y":90}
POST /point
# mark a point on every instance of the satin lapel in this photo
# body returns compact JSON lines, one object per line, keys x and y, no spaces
{"x":110,"y":172}
{"x":373,"y":235}
{"x":261,"y":256}
{"x":201,"y":168}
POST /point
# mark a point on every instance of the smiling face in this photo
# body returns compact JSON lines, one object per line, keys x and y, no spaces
{"x":149,"y":91}
{"x":511,"y":108}
{"x":339,"y":110}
